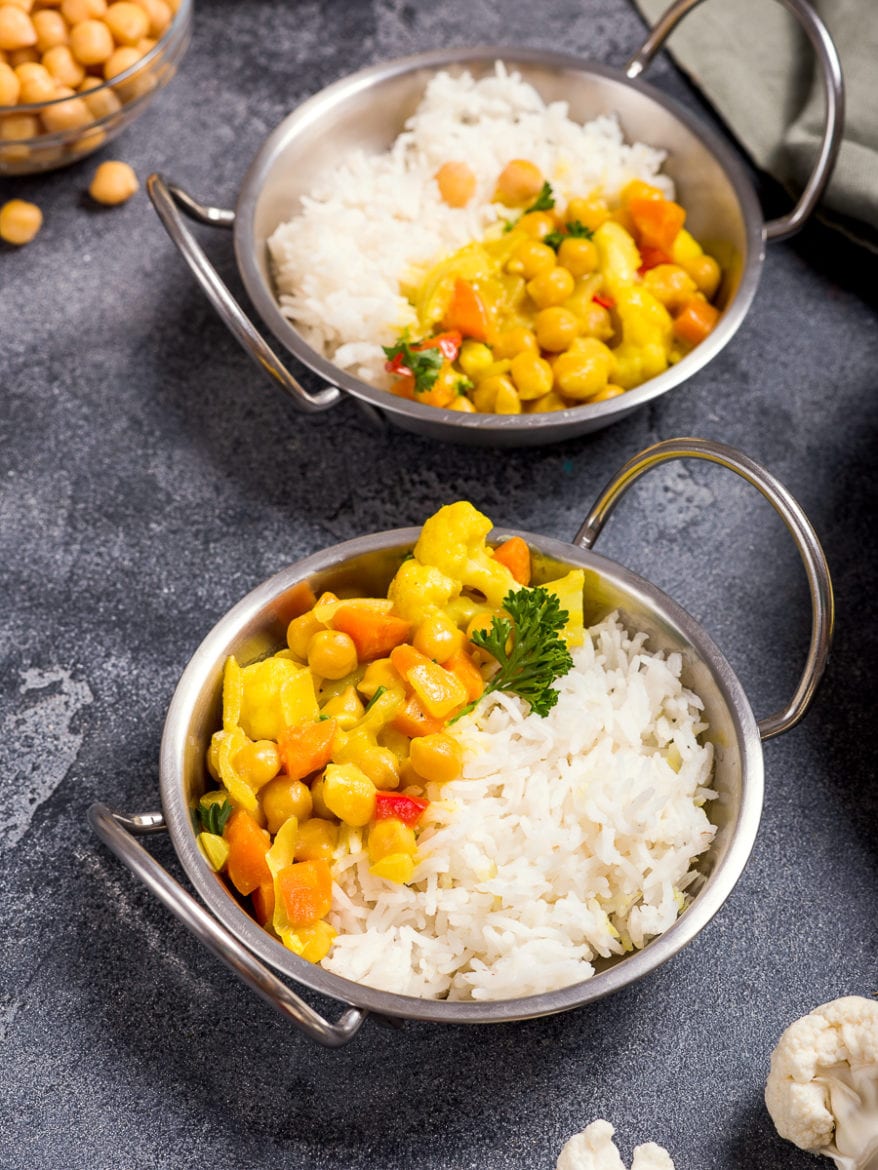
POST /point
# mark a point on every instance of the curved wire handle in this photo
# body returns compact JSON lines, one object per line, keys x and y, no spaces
{"x":798,"y":524}
{"x":115,"y":830}
{"x":833,"y":90}
{"x":168,"y":201}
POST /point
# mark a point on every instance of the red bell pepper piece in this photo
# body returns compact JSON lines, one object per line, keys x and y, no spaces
{"x":604,"y":301}
{"x":407,"y":809}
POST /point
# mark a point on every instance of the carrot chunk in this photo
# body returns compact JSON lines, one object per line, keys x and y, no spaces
{"x":515,"y":555}
{"x":248,"y":845}
{"x":262,"y":899}
{"x":466,"y":672}
{"x":305,"y":890}
{"x":306,"y":746}
{"x":374,"y":634}
{"x":695,"y":321}
{"x":412,"y":720}
{"x":466,"y":312}
{"x":656,"y":221}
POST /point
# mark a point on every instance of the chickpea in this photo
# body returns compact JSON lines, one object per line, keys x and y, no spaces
{"x":16,"y":28}
{"x":91,"y":42}
{"x":609,"y":391}
{"x":537,"y":224}
{"x":438,"y":757}
{"x":438,"y":637}
{"x":159,"y":13}
{"x":10,"y":85}
{"x":549,"y":402}
{"x":514,"y":341}
{"x":551,"y":288}
{"x":100,"y":100}
{"x":321,"y":808}
{"x":316,"y":840}
{"x":69,"y":115}
{"x":127,"y":22}
{"x":457,"y":183}
{"x":122,"y":59}
{"x":462,"y":404}
{"x":51,"y":29}
{"x":591,"y":213}
{"x":282,"y":798}
{"x":75,"y":11}
{"x":61,"y":64}
{"x":670,"y":285}
{"x":88,"y":141}
{"x":530,"y":259}
{"x":705,"y":271}
{"x":19,"y":221}
{"x":486,"y":393}
{"x":380,"y":764}
{"x":532,"y":376}
{"x":475,"y":358}
{"x":332,"y":654}
{"x":300,"y":631}
{"x":584,"y":372}
{"x":36,"y":84}
{"x":579,"y":256}
{"x":556,"y":328}
{"x":258,"y":762}
{"x":520,"y":181}
{"x":596,"y":322}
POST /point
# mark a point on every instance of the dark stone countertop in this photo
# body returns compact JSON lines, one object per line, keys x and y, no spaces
{"x":150,"y":478}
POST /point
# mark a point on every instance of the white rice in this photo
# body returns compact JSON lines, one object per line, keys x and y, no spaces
{"x":377,"y":220}
{"x":568,"y":837}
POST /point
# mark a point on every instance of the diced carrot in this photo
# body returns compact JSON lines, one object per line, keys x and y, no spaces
{"x":438,"y":691}
{"x":695,"y":320}
{"x":515,"y":555}
{"x":296,"y":601}
{"x":305,"y":889}
{"x":466,"y":672}
{"x":444,"y":389}
{"x":306,"y":746}
{"x":248,"y":845}
{"x":651,"y":258}
{"x":404,"y":387}
{"x":657,"y":222}
{"x":467,"y":313}
{"x":411,"y":719}
{"x":262,"y":899}
{"x":374,"y":634}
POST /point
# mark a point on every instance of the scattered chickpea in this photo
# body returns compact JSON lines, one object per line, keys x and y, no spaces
{"x":113,"y":183}
{"x":19,"y":221}
{"x":16,"y":28}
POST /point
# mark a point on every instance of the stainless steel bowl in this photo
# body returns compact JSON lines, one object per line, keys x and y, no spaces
{"x":368,"y":110}
{"x":256,"y":627}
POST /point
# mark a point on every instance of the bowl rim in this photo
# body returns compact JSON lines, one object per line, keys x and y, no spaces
{"x":361,"y":81}
{"x":182,"y":17}
{"x":717,"y":888}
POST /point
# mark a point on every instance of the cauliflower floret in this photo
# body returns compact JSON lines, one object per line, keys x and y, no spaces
{"x":822,"y":1090}
{"x":453,"y":541}
{"x":594,"y":1149}
{"x":419,"y":590}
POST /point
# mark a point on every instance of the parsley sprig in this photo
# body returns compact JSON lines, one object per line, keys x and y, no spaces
{"x":574,"y":230}
{"x":423,"y":364}
{"x":213,"y":815}
{"x":545,"y":201}
{"x":536,"y":654}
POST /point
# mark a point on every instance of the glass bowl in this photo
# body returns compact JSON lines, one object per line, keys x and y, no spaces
{"x":43,"y":136}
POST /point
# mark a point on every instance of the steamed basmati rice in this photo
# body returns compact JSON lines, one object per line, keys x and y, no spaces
{"x":378,"y":220}
{"x":568,"y":837}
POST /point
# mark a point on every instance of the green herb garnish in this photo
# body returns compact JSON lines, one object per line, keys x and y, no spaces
{"x":382,"y":690}
{"x":463,"y":384}
{"x":545,"y":201}
{"x":538,"y":654}
{"x":213,"y":815}
{"x":574,"y":230}
{"x":423,"y":364}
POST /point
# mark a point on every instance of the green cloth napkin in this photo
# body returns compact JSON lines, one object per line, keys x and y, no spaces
{"x":753,"y":62}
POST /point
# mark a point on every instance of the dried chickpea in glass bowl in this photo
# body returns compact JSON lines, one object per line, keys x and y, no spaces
{"x":74,"y":73}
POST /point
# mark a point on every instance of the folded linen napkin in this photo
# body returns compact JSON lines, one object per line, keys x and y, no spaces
{"x":751,"y":59}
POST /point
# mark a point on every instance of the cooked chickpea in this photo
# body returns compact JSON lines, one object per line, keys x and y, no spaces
{"x":19,"y":221}
{"x":10,"y":86}
{"x":670,"y":285}
{"x":462,"y":404}
{"x":514,"y":341}
{"x":19,"y":127}
{"x":51,"y":29}
{"x":16,"y":28}
{"x":537,"y":224}
{"x":380,"y":764}
{"x":300,"y":631}
{"x":609,"y":391}
{"x":578,"y":255}
{"x":127,"y":22}
{"x":282,"y":798}
{"x":488,"y":391}
{"x":520,"y":181}
{"x":551,"y":287}
{"x":63,"y":67}
{"x":591,"y":213}
{"x":549,"y":402}
{"x":75,"y":11}
{"x":332,"y":654}
{"x":475,"y":358}
{"x":584,"y":372}
{"x":258,"y":762}
{"x":91,"y":42}
{"x":316,"y":840}
{"x":555,"y":328}
{"x":321,"y":808}
{"x":122,"y":59}
{"x":36,"y":84}
{"x":69,"y":115}
{"x":100,"y":100}
{"x":530,"y":259}
{"x":438,"y":757}
{"x":705,"y":271}
{"x":438,"y":637}
{"x":159,"y":14}
{"x":596,"y":322}
{"x":532,"y":376}
{"x":457,"y":183}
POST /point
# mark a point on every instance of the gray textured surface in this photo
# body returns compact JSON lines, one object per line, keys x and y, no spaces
{"x":149,"y":479}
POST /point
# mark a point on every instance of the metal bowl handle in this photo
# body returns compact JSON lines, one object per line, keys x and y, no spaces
{"x":798,"y":524}
{"x":116,"y":829}
{"x":833,"y":90}
{"x":169,"y":201}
